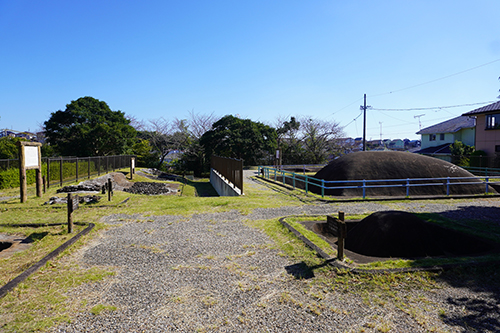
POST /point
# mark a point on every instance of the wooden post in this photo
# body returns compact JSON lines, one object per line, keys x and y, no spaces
{"x":48,"y":172}
{"x":342,"y":230}
{"x":110,"y":189}
{"x":76,"y":169}
{"x":22,"y":175}
{"x":44,"y":181}
{"x":132,"y":167}
{"x":61,"y":172}
{"x":70,"y":213}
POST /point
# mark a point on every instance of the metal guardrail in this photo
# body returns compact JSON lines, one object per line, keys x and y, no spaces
{"x":484,"y":172}
{"x":269,"y":173}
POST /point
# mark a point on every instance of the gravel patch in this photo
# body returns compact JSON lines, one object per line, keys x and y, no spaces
{"x":213,"y":273}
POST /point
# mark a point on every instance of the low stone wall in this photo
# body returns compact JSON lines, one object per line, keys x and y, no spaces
{"x":223,"y":187}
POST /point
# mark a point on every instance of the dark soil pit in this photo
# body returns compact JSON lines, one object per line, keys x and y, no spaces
{"x":395,"y":234}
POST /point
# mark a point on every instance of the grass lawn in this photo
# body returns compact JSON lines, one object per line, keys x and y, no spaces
{"x":40,"y":301}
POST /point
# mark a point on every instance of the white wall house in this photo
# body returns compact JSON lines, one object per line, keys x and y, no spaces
{"x":436,"y":139}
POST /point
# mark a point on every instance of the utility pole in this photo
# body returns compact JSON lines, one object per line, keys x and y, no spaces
{"x":364,"y":107}
{"x":419,"y":123}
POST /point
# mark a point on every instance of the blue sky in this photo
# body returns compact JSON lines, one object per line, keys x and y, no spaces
{"x":256,"y":59}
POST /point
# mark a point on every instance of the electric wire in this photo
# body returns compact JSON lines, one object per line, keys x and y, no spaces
{"x":438,"y":79}
{"x":432,"y":108}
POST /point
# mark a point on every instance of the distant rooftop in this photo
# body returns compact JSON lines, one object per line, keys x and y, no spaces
{"x":450,"y":126}
{"x":488,"y":108}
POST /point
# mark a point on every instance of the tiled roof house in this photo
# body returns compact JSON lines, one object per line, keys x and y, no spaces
{"x":487,"y":128}
{"x":436,"y":139}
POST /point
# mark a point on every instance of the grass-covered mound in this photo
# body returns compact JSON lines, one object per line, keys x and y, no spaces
{"x":404,"y":235}
{"x":371,"y":165}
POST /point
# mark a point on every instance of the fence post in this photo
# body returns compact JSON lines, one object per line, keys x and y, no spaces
{"x":283,"y":175}
{"x":110,"y":189}
{"x":364,"y":188}
{"x":76,"y":173}
{"x":61,"y":172}
{"x":48,"y":172}
{"x":487,"y":185}
{"x":294,"y":180}
{"x":307,"y":184}
{"x":322,"y":188}
{"x":447,"y":185}
{"x":407,"y":187}
{"x":70,"y":213}
{"x":88,"y":167}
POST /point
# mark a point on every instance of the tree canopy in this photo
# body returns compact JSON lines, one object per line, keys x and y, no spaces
{"x":9,"y":148}
{"x":88,"y":127}
{"x":240,"y":138}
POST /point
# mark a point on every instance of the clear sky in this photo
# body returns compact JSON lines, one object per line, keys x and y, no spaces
{"x":256,"y":59}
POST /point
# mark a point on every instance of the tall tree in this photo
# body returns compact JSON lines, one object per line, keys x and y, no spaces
{"x":88,"y":127}
{"x":9,"y":148}
{"x":240,"y":138}
{"x":318,"y":139}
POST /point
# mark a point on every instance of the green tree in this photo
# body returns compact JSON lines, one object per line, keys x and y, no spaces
{"x":88,"y":127}
{"x":8,"y":147}
{"x":460,"y":153}
{"x":240,"y":138}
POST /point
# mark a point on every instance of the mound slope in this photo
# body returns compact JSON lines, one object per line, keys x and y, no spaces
{"x":404,"y":235}
{"x":372,"y":165}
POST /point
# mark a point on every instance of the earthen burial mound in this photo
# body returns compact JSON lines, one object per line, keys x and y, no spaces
{"x":404,"y":235}
{"x":375,"y":165}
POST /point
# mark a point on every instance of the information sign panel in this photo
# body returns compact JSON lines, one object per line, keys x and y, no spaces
{"x":31,"y":159}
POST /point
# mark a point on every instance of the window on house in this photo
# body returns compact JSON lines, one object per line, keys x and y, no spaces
{"x":492,"y":121}
{"x":497,"y":149}
{"x":441,"y":136}
{"x":432,"y":137}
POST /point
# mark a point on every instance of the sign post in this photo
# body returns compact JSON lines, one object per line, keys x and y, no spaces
{"x":30,"y":157}
{"x":132,"y":167}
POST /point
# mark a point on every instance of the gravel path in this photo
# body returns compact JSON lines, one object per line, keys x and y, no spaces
{"x":213,"y":273}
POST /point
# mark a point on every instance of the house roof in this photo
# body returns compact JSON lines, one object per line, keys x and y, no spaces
{"x":441,"y":149}
{"x":450,"y":126}
{"x":485,"y":109}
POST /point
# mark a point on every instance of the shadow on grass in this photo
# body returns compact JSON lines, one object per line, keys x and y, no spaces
{"x":303,"y":271}
{"x":202,"y":189}
{"x":481,"y":314}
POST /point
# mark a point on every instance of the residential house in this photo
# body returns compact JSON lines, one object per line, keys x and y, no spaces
{"x":436,"y":139}
{"x":396,"y":144}
{"x":487,"y":128}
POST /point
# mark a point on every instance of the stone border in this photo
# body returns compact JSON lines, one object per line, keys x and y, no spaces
{"x":342,"y":265}
{"x":24,"y":275}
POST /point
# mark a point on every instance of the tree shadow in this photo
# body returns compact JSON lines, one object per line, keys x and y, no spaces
{"x":481,"y":312}
{"x":303,"y":271}
{"x":203,"y":189}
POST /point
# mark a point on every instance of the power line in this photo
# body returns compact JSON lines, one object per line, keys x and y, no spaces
{"x":349,"y":123}
{"x":438,"y":79}
{"x":433,"y":108}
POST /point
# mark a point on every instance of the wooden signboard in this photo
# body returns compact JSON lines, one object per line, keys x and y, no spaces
{"x":30,"y":157}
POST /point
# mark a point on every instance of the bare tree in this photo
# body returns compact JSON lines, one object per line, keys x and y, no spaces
{"x":319,"y":138}
{"x":198,"y":124}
